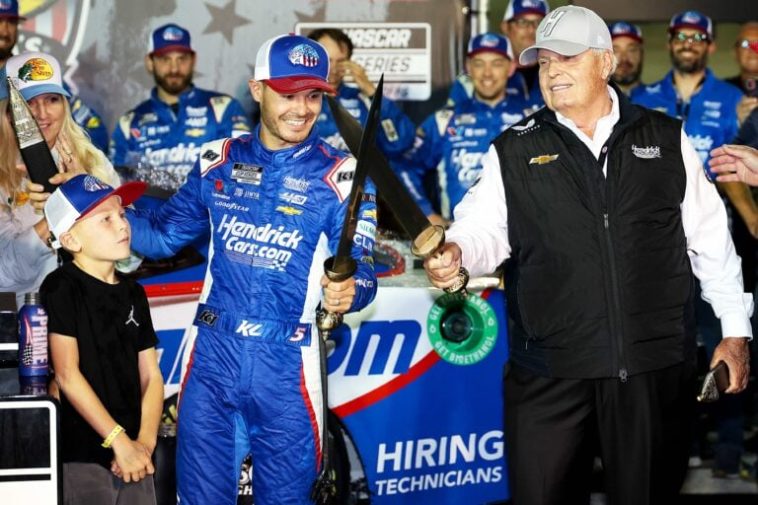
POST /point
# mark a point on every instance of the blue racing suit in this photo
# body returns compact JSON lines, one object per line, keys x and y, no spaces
{"x":161,"y":145}
{"x":393,"y":138}
{"x":453,"y":141}
{"x":516,"y":89}
{"x":89,"y":119}
{"x":710,"y":117}
{"x":275,"y":216}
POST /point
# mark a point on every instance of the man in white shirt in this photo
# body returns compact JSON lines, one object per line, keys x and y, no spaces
{"x":608,"y":216}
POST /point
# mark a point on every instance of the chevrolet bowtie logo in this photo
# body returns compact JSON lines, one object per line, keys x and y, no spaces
{"x":541,"y":160}
{"x":290,"y":211}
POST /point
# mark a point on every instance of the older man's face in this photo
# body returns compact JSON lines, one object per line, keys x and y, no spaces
{"x":572,"y":83}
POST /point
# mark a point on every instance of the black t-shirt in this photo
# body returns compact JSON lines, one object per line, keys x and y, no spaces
{"x":111,"y":324}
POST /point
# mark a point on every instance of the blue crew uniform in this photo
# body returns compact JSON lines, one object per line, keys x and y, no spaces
{"x":710,"y":116}
{"x":457,"y":138}
{"x":162,"y":143}
{"x":393,"y":138}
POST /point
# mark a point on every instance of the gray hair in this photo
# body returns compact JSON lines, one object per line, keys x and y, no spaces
{"x":614,"y":61}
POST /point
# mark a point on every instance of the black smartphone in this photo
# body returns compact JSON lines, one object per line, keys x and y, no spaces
{"x":716,"y":381}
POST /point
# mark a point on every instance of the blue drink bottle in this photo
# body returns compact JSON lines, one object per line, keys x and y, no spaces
{"x":32,"y":337}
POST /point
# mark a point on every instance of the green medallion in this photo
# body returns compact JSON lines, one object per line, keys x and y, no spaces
{"x":462,"y":330}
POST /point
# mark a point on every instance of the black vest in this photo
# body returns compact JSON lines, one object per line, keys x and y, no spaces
{"x":599,"y":283}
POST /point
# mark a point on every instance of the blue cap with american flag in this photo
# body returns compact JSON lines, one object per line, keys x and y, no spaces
{"x":292,"y":63}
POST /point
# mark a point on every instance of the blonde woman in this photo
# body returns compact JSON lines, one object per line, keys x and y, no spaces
{"x":26,"y":256}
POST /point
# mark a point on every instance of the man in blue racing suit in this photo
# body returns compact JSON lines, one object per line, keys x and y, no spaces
{"x":519,"y":25}
{"x":706,"y":105}
{"x":457,"y":137}
{"x":396,"y":133}
{"x":275,"y":202}
{"x":159,"y":140}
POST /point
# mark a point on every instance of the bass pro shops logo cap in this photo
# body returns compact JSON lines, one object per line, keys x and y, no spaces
{"x":35,"y":74}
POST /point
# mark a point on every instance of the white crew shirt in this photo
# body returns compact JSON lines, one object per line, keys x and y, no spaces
{"x":481,"y":227}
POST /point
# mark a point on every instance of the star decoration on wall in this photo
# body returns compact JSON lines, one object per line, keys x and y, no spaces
{"x":225,"y":20}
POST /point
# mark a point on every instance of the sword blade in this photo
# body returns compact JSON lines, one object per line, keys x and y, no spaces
{"x":363,"y":162}
{"x":388,"y":185}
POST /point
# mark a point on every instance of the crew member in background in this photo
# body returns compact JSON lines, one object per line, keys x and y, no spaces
{"x":519,"y":24}
{"x":396,"y":133}
{"x":159,"y":140}
{"x":9,"y":20}
{"x":83,"y":115}
{"x":708,"y":107}
{"x":746,"y":52}
{"x":629,"y":51}
{"x":453,"y":139}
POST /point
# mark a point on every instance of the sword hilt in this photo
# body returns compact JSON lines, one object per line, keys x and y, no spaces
{"x":460,"y":283}
{"x":336,"y":269}
{"x":429,"y":242}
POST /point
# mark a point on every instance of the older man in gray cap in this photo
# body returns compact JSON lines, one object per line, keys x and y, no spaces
{"x":608,"y":215}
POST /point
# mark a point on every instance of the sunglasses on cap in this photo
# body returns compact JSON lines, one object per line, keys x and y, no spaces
{"x":748,"y":44}
{"x":695,"y":38}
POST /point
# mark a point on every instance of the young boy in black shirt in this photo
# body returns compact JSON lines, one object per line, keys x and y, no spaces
{"x":102,"y":345}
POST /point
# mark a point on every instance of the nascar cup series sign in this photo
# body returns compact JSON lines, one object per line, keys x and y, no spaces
{"x":402,"y":51}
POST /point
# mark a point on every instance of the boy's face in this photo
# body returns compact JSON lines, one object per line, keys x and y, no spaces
{"x":103,"y":234}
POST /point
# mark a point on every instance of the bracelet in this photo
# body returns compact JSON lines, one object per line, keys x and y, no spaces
{"x":112,"y":436}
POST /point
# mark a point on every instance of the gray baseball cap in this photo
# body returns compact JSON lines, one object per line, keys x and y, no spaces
{"x":568,"y":31}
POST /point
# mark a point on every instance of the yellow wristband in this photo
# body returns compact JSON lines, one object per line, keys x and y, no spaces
{"x":112,"y":436}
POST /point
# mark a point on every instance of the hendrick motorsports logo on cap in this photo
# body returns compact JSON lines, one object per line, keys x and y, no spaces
{"x":489,"y":41}
{"x":303,"y":54}
{"x":462,"y":330}
{"x":172,"y":34}
{"x":691,"y":17}
{"x":35,"y":69}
